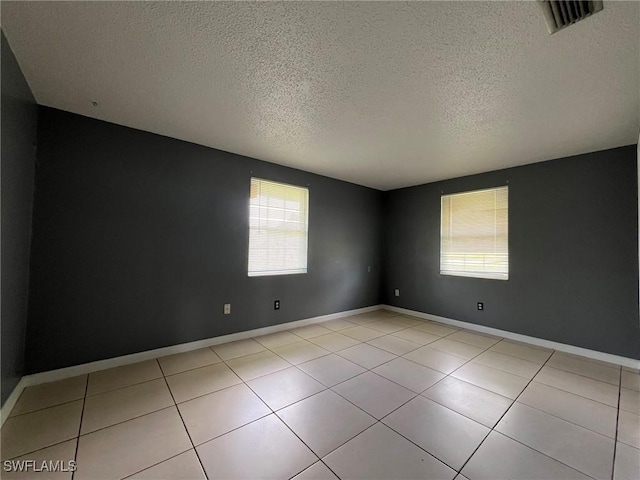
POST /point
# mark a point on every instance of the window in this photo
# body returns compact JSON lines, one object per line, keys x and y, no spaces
{"x":278,"y":226}
{"x":474,"y":234}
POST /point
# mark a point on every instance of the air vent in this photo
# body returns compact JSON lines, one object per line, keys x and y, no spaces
{"x":562,"y":13}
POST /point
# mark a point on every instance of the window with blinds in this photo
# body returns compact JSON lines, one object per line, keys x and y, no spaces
{"x":278,"y":226}
{"x":474,"y":234}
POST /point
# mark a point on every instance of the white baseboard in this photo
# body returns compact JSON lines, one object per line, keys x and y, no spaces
{"x":68,"y":372}
{"x":562,"y":347}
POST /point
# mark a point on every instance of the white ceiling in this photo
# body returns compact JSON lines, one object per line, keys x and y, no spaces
{"x":380,"y":94}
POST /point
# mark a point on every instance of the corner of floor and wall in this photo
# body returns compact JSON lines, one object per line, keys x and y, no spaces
{"x":137,"y":240}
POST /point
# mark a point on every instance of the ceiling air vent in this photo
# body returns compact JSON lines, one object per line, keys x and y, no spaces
{"x":562,"y":13}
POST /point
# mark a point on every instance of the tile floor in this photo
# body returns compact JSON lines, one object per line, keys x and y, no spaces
{"x":378,"y":395}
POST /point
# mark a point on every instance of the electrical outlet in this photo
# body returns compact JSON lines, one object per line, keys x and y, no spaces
{"x":276,"y":305}
{"x":480,"y":306}
{"x":397,"y":292}
{"x":227,"y":308}
{"x":369,"y":268}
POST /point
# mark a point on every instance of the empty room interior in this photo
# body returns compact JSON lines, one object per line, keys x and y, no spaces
{"x":320,"y":240}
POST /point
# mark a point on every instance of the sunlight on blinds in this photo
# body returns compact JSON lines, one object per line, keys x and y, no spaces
{"x":474,"y":234}
{"x":278,"y":226}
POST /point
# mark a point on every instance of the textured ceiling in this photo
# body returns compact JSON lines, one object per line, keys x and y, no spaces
{"x":380,"y":94}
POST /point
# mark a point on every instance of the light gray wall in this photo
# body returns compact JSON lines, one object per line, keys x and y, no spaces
{"x":140,"y":239}
{"x":19,"y":123}
{"x":573,"y":253}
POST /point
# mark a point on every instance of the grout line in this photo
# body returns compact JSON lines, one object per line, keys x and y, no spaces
{"x":84,"y":403}
{"x":175,"y":405}
{"x":615,"y":440}
{"x":501,"y":417}
{"x":583,"y":376}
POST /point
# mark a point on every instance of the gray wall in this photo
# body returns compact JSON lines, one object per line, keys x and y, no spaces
{"x":19,"y":123}
{"x":573,"y":240}
{"x":140,"y":239}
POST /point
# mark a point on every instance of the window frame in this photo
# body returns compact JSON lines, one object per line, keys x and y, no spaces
{"x":475,"y":274}
{"x":283,"y":271}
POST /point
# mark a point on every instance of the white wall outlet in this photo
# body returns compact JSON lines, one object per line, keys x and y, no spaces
{"x":397,"y":292}
{"x":227,"y":308}
{"x":369,"y":268}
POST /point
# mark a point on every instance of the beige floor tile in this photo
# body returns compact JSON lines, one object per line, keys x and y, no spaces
{"x":50,"y":394}
{"x":463,"y":350}
{"x":285,"y":387}
{"x":124,"y":376}
{"x":257,"y":364}
{"x":300,"y":352}
{"x":630,"y":380}
{"x":478,"y":404}
{"x":123,"y":404}
{"x":520,"y":350}
{"x":409,"y":374}
{"x":436,"y":328}
{"x":445,"y":434}
{"x":432,"y":358}
{"x":364,"y":318}
{"x":182,"y":362}
{"x":500,"y":457}
{"x":331,"y":369}
{"x":217,"y":413}
{"x":572,"y":408}
{"x":570,"y":363}
{"x":185,"y":466}
{"x":507,"y":363}
{"x":62,"y":452}
{"x":577,"y":447}
{"x":630,"y":401}
{"x":132,"y":446}
{"x":334,"y":341}
{"x":228,"y":351}
{"x":381,"y":453}
{"x":366,"y":356}
{"x":629,"y":429}
{"x":265,"y":448}
{"x":362,"y":333}
{"x":325,"y":421}
{"x":277,"y":339}
{"x":317,"y":471}
{"x":338,"y":324}
{"x":393,"y":344}
{"x":497,"y":381}
{"x":577,"y":384}
{"x":200,"y":381}
{"x":310,"y":331}
{"x":375,"y":395}
{"x":36,"y":430}
{"x":385,"y":326}
{"x":417,"y":336}
{"x":405,"y":321}
{"x":474,"y":338}
{"x":627,"y":463}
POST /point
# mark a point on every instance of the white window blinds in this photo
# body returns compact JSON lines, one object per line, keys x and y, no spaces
{"x":278,"y":226}
{"x":474,"y":234}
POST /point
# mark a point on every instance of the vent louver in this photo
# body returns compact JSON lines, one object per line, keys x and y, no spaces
{"x":562,"y":13}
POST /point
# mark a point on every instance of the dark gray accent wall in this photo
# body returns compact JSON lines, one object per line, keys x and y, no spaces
{"x":573,"y":253}
{"x":19,"y":124}
{"x":140,"y":239}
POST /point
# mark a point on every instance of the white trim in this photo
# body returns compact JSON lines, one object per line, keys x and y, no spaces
{"x":62,"y":373}
{"x":12,"y":400}
{"x":562,"y":347}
